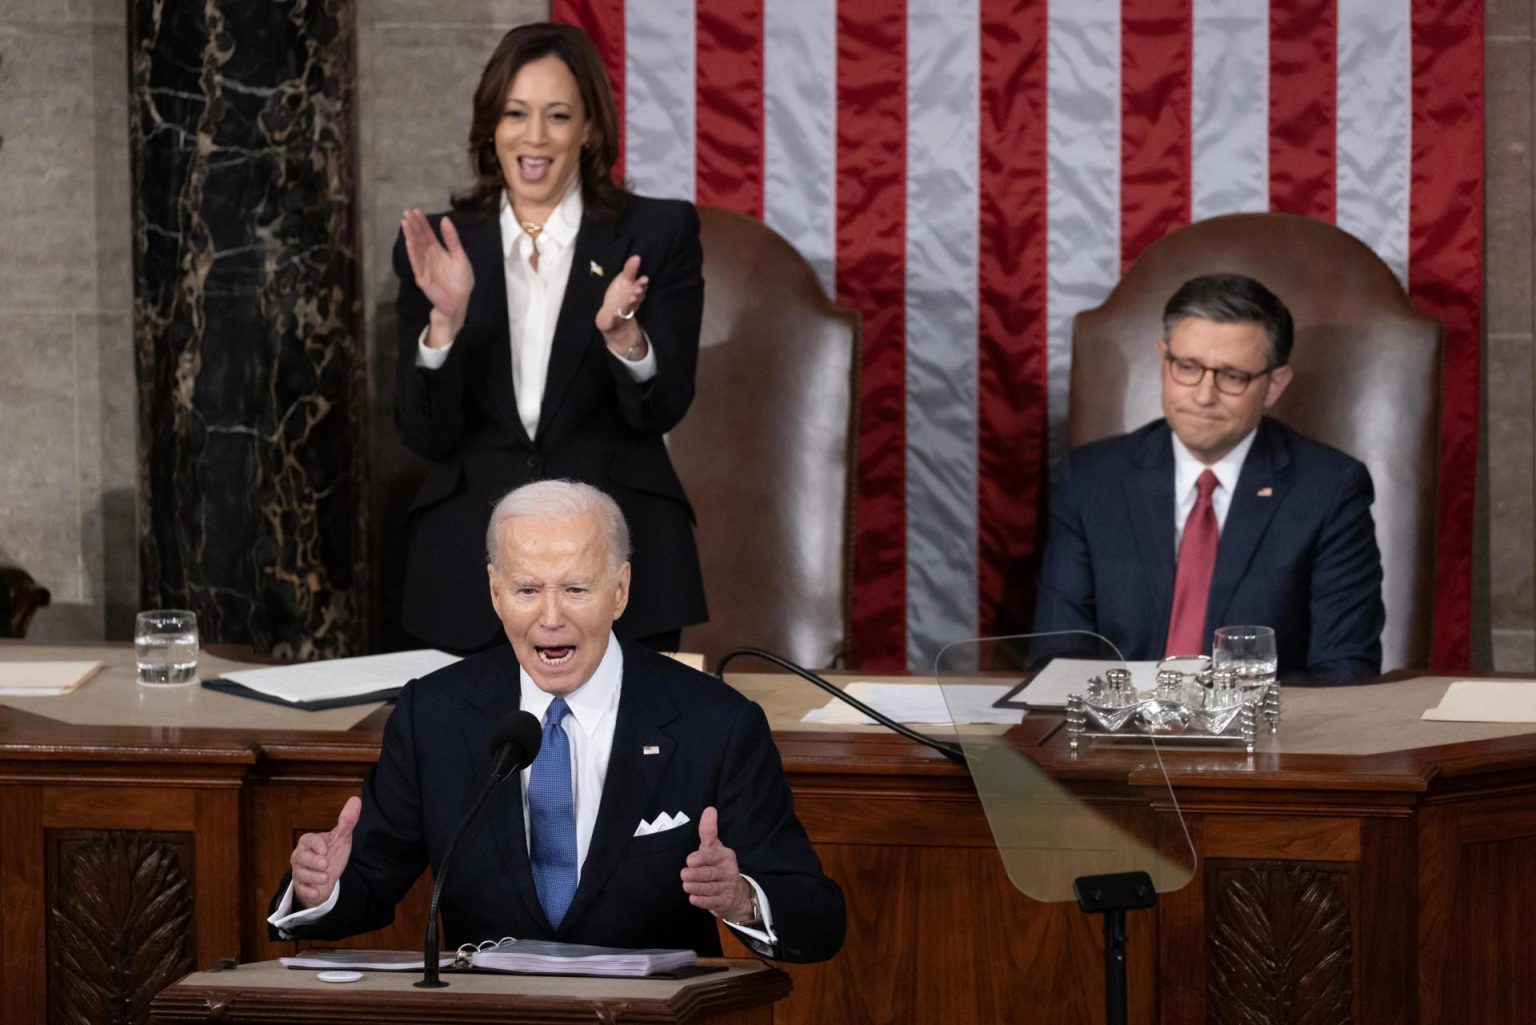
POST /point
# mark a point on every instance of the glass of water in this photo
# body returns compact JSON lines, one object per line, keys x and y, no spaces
{"x":1248,"y":649}
{"x":165,"y":647}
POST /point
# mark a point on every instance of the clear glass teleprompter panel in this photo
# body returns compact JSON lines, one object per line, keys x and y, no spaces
{"x":1059,"y":814}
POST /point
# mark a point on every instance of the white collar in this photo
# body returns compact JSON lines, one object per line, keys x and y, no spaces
{"x":559,"y":230}
{"x":1187,"y":469}
{"x":591,"y":700}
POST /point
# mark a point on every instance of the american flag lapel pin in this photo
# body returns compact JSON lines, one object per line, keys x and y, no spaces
{"x":650,"y":749}
{"x":1266,"y":492}
{"x":595,"y":269}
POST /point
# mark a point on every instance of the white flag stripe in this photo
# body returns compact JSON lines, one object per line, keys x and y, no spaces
{"x":941,"y":324}
{"x":800,"y":129}
{"x":659,"y":96}
{"x":1229,"y":107}
{"x":1083,"y":174}
{"x":1375,"y":108}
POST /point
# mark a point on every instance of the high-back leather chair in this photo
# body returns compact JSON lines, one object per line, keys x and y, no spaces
{"x":20,"y":598}
{"x":766,"y":448}
{"x":1366,"y":376}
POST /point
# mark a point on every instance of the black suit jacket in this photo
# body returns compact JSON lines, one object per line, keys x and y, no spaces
{"x":712,"y":748}
{"x":596,"y":424}
{"x":1297,"y":553}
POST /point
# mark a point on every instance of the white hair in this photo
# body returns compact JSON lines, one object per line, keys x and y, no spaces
{"x":558,"y":499}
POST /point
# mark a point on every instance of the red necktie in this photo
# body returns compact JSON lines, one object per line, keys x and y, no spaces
{"x":1192,"y":583}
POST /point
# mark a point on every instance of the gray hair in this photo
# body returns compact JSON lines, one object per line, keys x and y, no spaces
{"x":557,"y":499}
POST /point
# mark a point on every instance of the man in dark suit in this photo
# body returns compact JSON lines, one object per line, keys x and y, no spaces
{"x":1216,"y":514}
{"x":617,"y":834}
{"x":597,"y":423}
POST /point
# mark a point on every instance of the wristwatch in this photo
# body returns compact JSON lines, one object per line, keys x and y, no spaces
{"x":634,"y":352}
{"x":757,"y":911}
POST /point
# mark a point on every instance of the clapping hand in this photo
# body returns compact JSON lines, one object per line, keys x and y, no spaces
{"x":712,"y":880}
{"x":615,"y":318}
{"x":319,"y":858}
{"x":442,"y":272}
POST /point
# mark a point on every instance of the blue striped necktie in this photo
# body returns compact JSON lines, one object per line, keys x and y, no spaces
{"x":552,"y":818}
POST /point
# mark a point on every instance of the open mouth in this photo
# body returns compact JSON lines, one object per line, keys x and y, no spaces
{"x":534,"y":169}
{"x":555,"y":654}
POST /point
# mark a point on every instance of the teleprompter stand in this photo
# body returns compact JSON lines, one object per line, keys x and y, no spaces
{"x":1112,"y":896}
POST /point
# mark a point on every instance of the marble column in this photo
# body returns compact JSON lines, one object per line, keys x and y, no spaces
{"x":246,"y":320}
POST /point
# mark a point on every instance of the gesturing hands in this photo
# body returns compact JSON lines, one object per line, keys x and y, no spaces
{"x":320,"y":857}
{"x":442,"y":272}
{"x":624,"y":295}
{"x":711,"y":878}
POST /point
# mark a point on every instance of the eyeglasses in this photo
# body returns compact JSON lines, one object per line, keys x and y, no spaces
{"x":1228,"y":381}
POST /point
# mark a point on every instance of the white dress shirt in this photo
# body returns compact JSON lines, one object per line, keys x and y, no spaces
{"x":534,"y":298}
{"x":1187,"y":470}
{"x":594,"y":708}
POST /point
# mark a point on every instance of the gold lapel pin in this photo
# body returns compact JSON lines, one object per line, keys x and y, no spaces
{"x":595,"y":269}
{"x":650,"y":749}
{"x":1266,"y":492}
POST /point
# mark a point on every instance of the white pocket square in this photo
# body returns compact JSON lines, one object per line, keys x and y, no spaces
{"x":662,"y":823}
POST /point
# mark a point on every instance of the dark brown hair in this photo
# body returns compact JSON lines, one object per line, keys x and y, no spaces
{"x":601,"y":197}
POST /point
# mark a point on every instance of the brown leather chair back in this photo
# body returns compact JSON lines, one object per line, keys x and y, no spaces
{"x":766,"y":449}
{"x":20,"y":598}
{"x":1366,"y":366}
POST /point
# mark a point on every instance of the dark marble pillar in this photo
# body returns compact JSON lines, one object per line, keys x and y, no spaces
{"x":246,"y":320}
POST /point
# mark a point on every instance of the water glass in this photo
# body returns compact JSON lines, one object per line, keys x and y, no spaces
{"x":1250,"y":650}
{"x":165,"y":647}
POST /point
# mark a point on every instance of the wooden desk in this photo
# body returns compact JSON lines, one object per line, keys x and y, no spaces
{"x":1378,"y":863}
{"x":267,"y":993}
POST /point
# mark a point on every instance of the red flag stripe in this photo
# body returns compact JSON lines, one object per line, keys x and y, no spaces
{"x":1155,"y":69}
{"x":729,"y":110}
{"x":1303,"y":113}
{"x":603,"y":20}
{"x":871,"y":227}
{"x":1445,"y":280}
{"x":1011,"y":280}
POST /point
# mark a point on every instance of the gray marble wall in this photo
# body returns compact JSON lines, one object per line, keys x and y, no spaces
{"x":66,"y":479}
{"x":67,"y":401}
{"x":1509,"y":377}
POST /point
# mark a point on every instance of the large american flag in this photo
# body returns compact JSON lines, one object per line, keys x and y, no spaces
{"x":970,"y":174}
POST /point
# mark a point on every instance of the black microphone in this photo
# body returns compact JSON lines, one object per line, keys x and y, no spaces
{"x":514,"y":745}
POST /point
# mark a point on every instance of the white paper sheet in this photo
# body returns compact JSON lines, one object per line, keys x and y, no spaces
{"x":918,"y":704}
{"x":44,"y":679}
{"x":1066,"y":676}
{"x":342,"y":677}
{"x":1486,"y":701}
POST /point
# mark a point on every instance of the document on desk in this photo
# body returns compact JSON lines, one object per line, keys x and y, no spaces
{"x":1486,"y":701}
{"x":923,"y":704}
{"x":335,"y":681}
{"x":1063,"y":677}
{"x":43,"y":679}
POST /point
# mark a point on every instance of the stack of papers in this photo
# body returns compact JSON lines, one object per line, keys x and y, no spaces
{"x":919,"y":704}
{"x":336,"y":682}
{"x":545,"y":957}
{"x":43,"y":679}
{"x":1487,"y":701}
{"x":363,"y":960}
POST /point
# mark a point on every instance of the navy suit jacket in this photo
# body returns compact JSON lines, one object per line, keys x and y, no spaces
{"x":596,"y":424}
{"x":1297,"y":553}
{"x":712,"y":746}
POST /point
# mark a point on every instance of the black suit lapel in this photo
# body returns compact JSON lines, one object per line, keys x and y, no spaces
{"x":488,"y":310}
{"x":1260,"y":489}
{"x":1148,"y":493}
{"x":500,"y":692}
{"x":597,"y":245}
{"x":644,"y":711}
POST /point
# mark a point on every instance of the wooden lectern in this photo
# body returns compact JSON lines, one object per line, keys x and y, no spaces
{"x":268,"y":993}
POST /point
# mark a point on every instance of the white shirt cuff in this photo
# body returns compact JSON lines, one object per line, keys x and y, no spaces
{"x":285,"y":917}
{"x":643,"y":369}
{"x":429,"y":358}
{"x":763,"y":935}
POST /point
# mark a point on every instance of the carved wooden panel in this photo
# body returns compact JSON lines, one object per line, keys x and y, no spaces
{"x":1278,"y":944}
{"x":120,"y":924}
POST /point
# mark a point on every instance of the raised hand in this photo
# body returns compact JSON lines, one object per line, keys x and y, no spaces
{"x":319,"y":858}
{"x":442,"y":272}
{"x":624,"y":295}
{"x":711,"y":878}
